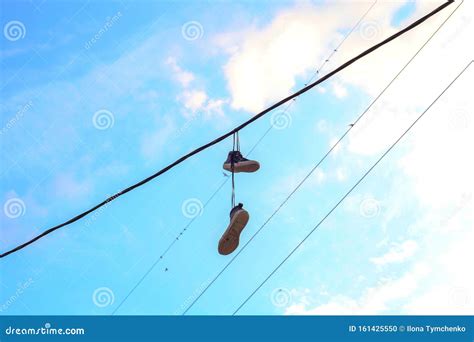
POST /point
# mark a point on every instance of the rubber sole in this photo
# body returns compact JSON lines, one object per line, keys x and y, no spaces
{"x":231,"y":237}
{"x":246,"y":166}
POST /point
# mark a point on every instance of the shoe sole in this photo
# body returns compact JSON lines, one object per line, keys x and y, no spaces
{"x":231,"y":238}
{"x":250,"y":166}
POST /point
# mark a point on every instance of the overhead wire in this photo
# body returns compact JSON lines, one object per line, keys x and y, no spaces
{"x":319,"y":69}
{"x":209,"y":284}
{"x":350,"y":191}
{"x":228,"y":134}
{"x":287,"y":107}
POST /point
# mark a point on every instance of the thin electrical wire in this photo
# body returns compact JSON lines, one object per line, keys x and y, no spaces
{"x":318,"y":70}
{"x":318,"y":164}
{"x":350,"y":191}
{"x":176,"y":239}
{"x":288,"y":106}
{"x":240,"y":127}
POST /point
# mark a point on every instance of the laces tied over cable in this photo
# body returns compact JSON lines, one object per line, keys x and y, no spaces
{"x":235,"y":148}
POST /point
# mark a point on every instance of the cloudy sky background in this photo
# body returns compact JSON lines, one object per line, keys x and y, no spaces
{"x":98,"y":96}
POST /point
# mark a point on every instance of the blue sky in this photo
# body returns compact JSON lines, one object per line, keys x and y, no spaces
{"x":98,"y":95}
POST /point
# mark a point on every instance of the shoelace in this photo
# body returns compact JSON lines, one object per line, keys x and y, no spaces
{"x":235,"y":148}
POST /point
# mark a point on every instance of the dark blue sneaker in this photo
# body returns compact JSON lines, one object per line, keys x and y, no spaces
{"x":239,"y":217}
{"x":241,"y":164}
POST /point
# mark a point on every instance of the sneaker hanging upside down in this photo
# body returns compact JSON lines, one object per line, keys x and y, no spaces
{"x":241,"y":164}
{"x":230,"y":239}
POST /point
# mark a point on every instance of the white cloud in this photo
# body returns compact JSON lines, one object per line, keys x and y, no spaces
{"x":268,"y":60}
{"x":416,"y":87}
{"x":440,"y":148}
{"x":375,"y":300}
{"x":193,"y":99}
{"x":436,"y":166}
{"x":438,"y":283}
{"x":182,"y":76}
{"x":198,"y":103}
{"x":321,"y":89}
{"x":214,"y":108}
{"x":341,"y":174}
{"x":319,"y":176}
{"x":397,"y":254}
{"x":451,"y":291}
{"x":339,"y":90}
{"x":439,"y":280}
{"x":376,"y":69}
{"x":379,"y":127}
{"x":338,"y":306}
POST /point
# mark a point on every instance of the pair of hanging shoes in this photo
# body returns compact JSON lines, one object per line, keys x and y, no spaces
{"x":239,"y":217}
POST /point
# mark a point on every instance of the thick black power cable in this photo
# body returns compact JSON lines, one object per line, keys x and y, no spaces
{"x":350,"y":190}
{"x":238,"y":128}
{"x":316,"y":74}
{"x":318,"y":163}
